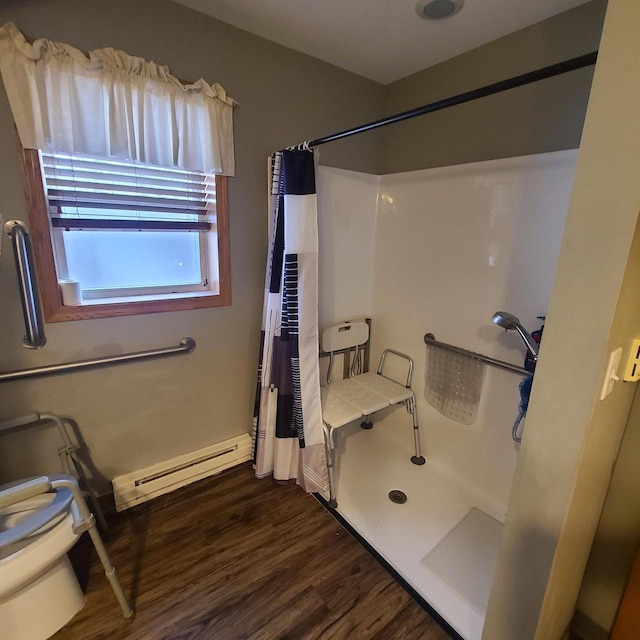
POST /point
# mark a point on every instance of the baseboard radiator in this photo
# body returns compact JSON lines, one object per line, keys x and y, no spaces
{"x":145,"y":484}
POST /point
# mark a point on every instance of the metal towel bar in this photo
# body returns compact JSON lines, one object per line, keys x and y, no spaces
{"x":431,"y":341}
{"x":34,"y":324}
{"x":187,"y":345}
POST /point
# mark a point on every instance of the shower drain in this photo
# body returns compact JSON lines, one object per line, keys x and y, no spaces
{"x":397,"y":496}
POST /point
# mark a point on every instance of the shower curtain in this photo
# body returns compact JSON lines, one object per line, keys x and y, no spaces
{"x":288,"y":439}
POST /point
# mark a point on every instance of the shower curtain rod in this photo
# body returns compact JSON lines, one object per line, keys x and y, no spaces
{"x":497,"y":87}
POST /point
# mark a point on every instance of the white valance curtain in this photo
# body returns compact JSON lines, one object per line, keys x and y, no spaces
{"x":107,"y":103}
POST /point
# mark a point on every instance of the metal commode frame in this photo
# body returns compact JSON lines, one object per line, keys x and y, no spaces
{"x":83,"y":520}
{"x":69,"y":460}
{"x":360,"y":396}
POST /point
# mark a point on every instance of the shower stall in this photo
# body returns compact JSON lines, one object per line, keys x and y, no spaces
{"x":438,"y":251}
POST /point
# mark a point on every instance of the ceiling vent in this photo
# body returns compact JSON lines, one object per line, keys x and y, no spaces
{"x":438,"y":9}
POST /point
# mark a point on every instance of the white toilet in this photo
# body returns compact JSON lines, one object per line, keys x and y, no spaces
{"x":39,"y":591}
{"x":40,"y":520}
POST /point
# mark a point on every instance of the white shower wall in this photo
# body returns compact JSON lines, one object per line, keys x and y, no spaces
{"x":347,"y":202}
{"x":441,"y":252}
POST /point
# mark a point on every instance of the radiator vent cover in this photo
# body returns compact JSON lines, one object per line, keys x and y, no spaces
{"x":142,"y":485}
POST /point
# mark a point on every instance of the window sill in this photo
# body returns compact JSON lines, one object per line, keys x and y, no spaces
{"x":92,"y":302}
{"x":135,"y":305}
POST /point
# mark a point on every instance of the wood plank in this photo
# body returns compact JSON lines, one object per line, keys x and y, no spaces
{"x":627,"y":623}
{"x":234,"y":558}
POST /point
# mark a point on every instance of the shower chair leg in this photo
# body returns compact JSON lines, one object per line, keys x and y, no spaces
{"x":413,"y":410}
{"x":330,"y":446}
{"x":367,"y":423}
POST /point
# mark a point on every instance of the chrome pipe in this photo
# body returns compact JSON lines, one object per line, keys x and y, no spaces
{"x":187,"y":345}
{"x":25,"y":266}
{"x":430,"y":340}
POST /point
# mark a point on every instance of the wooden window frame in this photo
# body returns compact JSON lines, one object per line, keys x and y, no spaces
{"x":52,"y":304}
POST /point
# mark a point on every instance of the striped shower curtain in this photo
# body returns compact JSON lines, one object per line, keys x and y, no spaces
{"x":288,"y":438}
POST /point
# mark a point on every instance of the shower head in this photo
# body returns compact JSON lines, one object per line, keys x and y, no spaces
{"x":506,"y":320}
{"x":510,"y":322}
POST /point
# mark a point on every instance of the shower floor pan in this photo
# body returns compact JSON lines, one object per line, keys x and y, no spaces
{"x":443,"y":540}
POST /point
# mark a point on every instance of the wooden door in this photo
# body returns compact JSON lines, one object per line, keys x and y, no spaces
{"x":627,"y":622}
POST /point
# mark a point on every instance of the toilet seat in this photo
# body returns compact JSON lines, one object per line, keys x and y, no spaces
{"x":24,"y":519}
{"x":40,"y":527}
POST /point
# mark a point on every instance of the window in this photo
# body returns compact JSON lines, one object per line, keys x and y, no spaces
{"x":138,"y":238}
{"x":127,"y":229}
{"x":125,"y":169}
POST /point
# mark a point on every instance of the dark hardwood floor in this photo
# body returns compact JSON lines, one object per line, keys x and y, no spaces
{"x":234,"y":558}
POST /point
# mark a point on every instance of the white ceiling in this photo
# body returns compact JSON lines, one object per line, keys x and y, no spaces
{"x":384,"y":40}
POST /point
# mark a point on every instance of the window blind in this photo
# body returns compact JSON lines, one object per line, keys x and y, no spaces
{"x":100,"y":193}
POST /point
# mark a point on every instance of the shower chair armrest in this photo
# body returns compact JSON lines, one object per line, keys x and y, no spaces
{"x":404,"y":356}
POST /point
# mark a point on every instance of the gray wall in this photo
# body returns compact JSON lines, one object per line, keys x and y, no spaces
{"x":138,"y":414}
{"x":545,"y":116}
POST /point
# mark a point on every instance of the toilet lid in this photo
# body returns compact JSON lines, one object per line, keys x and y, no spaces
{"x":37,"y":519}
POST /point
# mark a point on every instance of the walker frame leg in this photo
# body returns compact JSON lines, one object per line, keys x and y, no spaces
{"x":110,"y":572}
{"x":84,"y":520}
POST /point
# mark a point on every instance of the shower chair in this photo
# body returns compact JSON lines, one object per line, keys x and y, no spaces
{"x":361,"y":393}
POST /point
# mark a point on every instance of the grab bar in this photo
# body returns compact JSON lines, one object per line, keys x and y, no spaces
{"x":23,"y":253}
{"x":187,"y":345}
{"x":430,"y":340}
